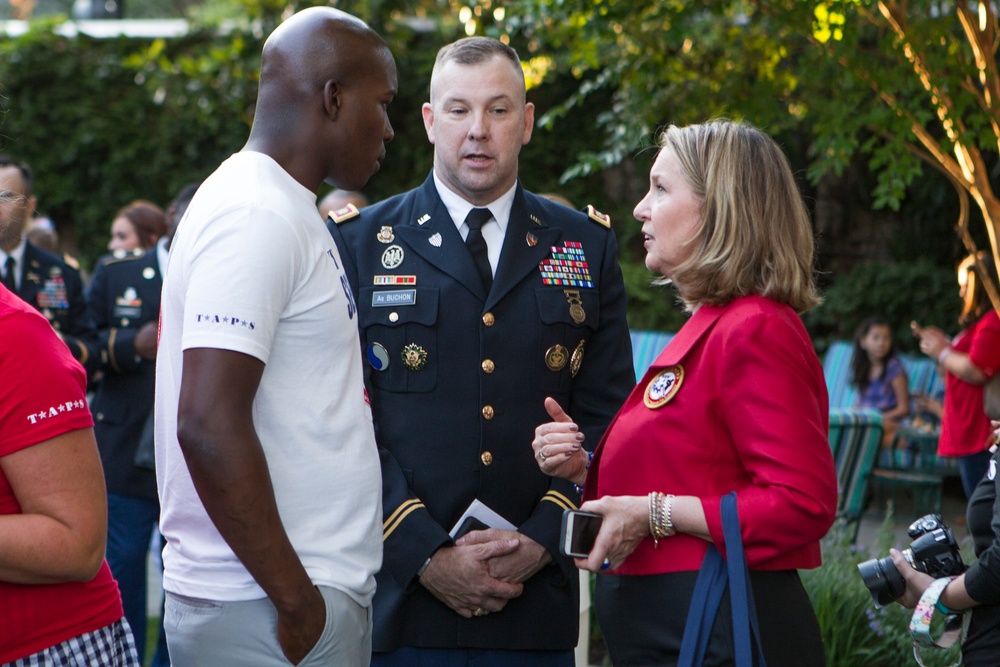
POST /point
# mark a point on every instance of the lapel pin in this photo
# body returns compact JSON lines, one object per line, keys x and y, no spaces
{"x":531,"y":239}
{"x":435,"y":240}
{"x":424,"y":218}
{"x":663,"y":387}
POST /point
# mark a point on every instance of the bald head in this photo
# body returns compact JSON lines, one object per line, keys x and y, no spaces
{"x":312,"y":47}
{"x":326,"y":80}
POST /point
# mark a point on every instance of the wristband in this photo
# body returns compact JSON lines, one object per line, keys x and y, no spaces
{"x":944,"y":354}
{"x":590,"y":458}
{"x":920,"y":623}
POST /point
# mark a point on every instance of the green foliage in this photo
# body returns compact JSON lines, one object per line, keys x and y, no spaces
{"x":854,"y":632}
{"x":78,"y":110}
{"x":900,"y":292}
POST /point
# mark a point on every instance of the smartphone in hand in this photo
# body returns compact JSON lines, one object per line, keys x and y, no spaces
{"x":579,"y":532}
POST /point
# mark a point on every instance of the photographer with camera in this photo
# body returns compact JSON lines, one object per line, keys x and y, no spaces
{"x":977,"y":590}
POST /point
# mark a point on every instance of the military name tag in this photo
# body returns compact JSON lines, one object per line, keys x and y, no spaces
{"x":399,"y":297}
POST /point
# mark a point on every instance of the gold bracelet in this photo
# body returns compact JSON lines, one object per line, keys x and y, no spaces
{"x":652,"y":519}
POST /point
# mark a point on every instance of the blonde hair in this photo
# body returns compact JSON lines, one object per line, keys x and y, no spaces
{"x":754,"y":236}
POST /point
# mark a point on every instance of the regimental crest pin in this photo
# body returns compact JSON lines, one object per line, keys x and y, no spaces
{"x":385,"y":235}
{"x":531,"y":239}
{"x":435,"y":240}
{"x":663,"y":387}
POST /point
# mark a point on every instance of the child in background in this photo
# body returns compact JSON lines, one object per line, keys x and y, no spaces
{"x":878,"y":375}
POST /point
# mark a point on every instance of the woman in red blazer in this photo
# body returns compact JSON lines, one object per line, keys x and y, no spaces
{"x":736,"y":402}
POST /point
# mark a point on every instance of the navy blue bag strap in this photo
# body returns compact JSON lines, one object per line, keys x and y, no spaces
{"x":740,"y":591}
{"x":713,"y":577}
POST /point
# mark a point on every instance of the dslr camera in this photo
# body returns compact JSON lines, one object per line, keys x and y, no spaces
{"x":933,"y":550}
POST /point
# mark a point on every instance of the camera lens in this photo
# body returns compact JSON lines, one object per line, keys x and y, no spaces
{"x":882,"y":580}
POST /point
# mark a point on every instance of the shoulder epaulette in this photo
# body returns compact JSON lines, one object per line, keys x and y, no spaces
{"x":124,"y":256}
{"x":601,"y":218}
{"x":344,"y":214}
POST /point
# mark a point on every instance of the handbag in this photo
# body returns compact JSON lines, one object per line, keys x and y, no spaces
{"x":715,"y":574}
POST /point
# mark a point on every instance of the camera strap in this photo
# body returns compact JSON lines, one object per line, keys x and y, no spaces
{"x":955,"y":626}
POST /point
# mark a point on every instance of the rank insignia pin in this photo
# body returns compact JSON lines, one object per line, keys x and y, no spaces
{"x":344,"y":214}
{"x":385,"y":235}
{"x":663,"y":387}
{"x":414,"y":357}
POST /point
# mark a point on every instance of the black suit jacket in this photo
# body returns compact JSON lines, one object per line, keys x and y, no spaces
{"x":456,"y":422}
{"x":124,"y":295}
{"x":55,"y":289}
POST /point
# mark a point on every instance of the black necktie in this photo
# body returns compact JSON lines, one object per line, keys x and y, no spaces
{"x":8,"y":277}
{"x":477,"y":244}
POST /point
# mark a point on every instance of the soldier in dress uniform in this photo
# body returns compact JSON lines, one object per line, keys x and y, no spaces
{"x":477,"y":300}
{"x":40,"y":278}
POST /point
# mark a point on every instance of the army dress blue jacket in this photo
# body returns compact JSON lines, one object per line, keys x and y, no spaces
{"x":124,"y":295}
{"x":457,"y":380}
{"x":55,"y":289}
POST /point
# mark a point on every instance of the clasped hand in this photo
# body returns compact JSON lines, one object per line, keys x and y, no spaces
{"x":482,"y":571}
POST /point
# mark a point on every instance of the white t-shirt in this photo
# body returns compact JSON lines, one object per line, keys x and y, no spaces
{"x":254,"y":270}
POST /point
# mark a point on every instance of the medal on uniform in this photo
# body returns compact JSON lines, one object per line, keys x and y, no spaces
{"x":556,"y":357}
{"x":414,"y":357}
{"x":576,"y":359}
{"x":148,"y":273}
{"x":576,"y":310}
{"x":663,"y":387}
{"x":392,"y":257}
{"x":385,"y":235}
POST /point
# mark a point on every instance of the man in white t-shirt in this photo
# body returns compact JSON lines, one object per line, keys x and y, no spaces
{"x":266,"y":462}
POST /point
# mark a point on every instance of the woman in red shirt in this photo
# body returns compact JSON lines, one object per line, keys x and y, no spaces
{"x":969,"y":361}
{"x":736,"y":402}
{"x":58,"y":601}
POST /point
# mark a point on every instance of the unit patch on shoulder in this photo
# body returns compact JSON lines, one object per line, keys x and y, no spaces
{"x":344,"y":214}
{"x":602,"y":218}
